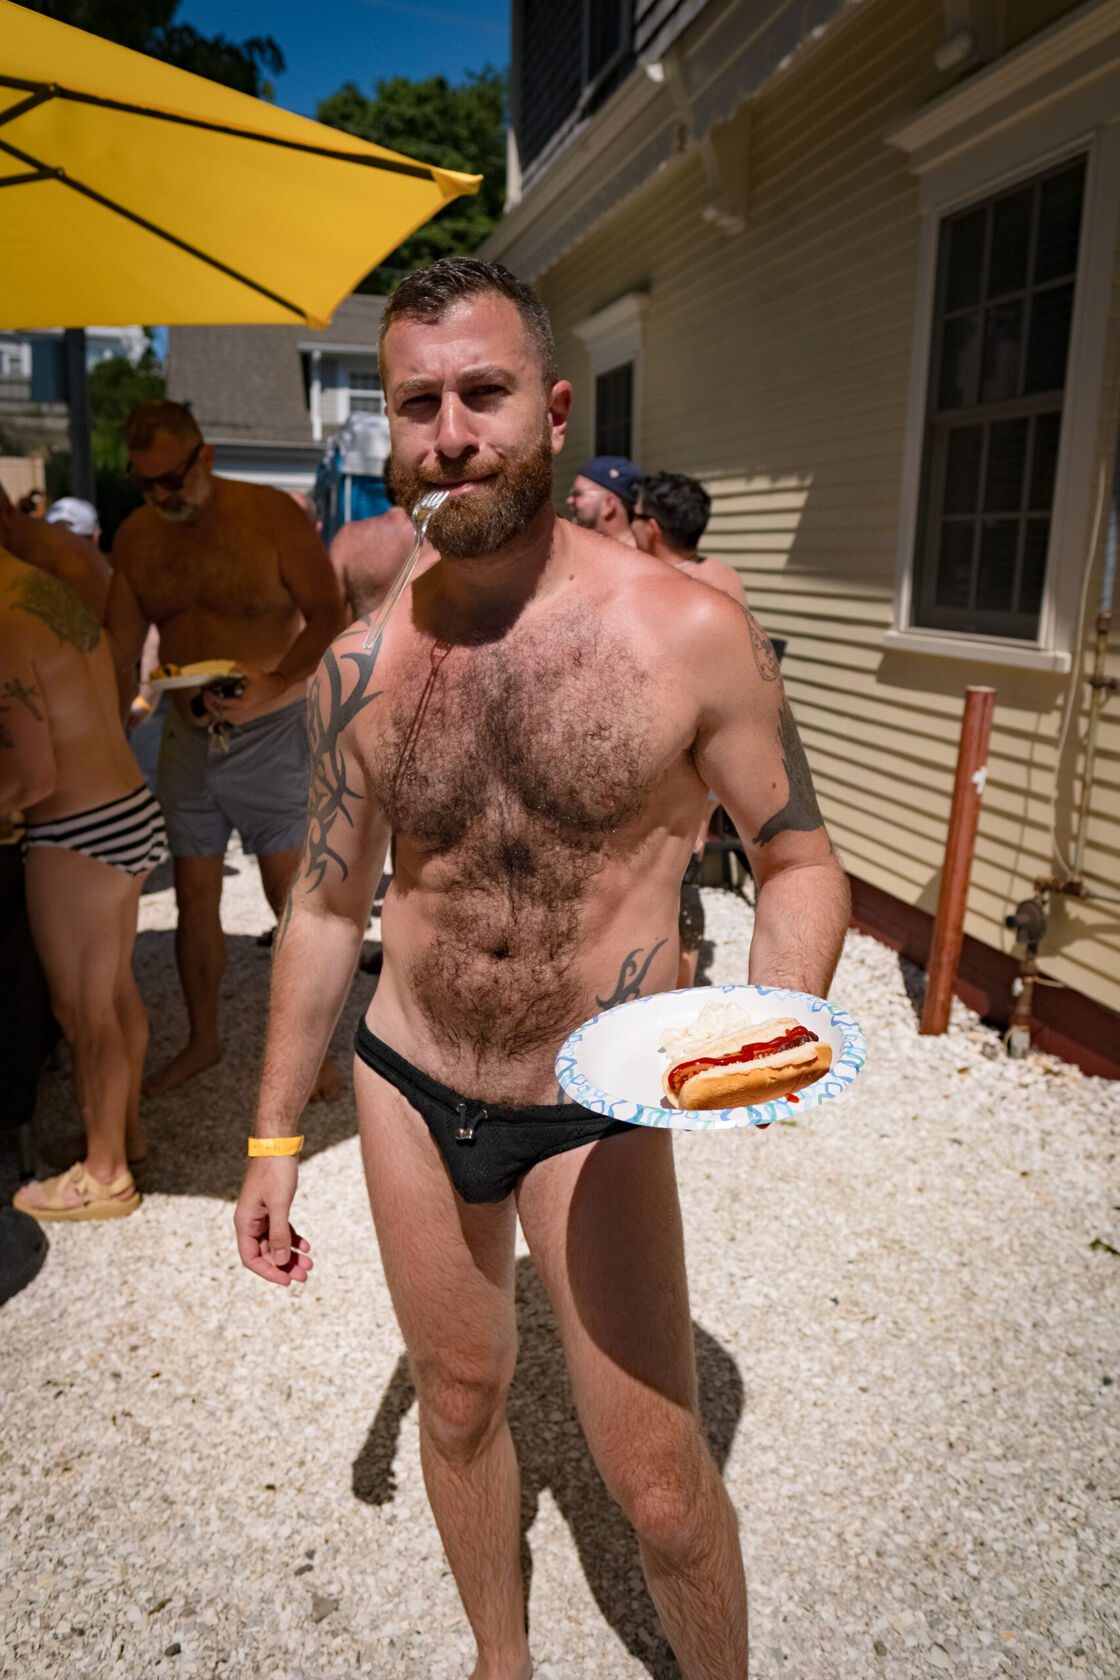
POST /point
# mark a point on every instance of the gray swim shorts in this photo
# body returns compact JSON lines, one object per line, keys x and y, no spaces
{"x":258,"y":787}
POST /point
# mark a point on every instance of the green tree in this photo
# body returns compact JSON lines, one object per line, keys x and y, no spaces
{"x":116,"y":386}
{"x":148,"y":26}
{"x":456,"y":127}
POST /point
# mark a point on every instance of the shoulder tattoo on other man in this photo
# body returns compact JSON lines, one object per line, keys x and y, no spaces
{"x":764,"y":656}
{"x":800,"y":811}
{"x":26,"y":693}
{"x":45,"y":597}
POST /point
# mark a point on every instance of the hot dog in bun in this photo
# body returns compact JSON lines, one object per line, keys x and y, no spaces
{"x":725,"y":1060}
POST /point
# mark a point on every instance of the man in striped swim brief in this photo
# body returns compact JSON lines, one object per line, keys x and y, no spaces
{"x":93,"y":833}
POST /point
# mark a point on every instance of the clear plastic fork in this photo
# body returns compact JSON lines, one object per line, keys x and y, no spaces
{"x":421,"y":516}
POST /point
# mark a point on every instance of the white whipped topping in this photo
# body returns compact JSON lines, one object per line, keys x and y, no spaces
{"x":716,"y":1020}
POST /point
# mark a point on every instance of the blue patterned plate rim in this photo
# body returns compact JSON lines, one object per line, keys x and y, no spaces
{"x":835,"y":1082}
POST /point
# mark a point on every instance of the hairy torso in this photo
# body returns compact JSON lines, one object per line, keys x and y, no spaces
{"x":538,"y":788}
{"x":213,"y":586}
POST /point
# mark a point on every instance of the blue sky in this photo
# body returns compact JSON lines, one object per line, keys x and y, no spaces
{"x":360,"y":40}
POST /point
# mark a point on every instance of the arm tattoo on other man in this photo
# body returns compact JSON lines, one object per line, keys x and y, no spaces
{"x":630,"y":977}
{"x":329,"y":787}
{"x":764,"y":656}
{"x":800,"y":811}
{"x":44,"y":597}
{"x":27,"y":694}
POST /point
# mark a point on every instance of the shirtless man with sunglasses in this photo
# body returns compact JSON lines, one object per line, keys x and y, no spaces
{"x":538,"y":729}
{"x":224,"y":570}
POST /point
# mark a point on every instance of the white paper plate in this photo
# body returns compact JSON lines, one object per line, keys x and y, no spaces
{"x":612,"y":1064}
{"x":191,"y":677}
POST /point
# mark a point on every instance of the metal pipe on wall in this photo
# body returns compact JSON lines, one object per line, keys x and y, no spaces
{"x":1100,"y":685}
{"x":968,"y":788}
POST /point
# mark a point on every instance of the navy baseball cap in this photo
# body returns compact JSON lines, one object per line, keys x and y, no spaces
{"x":614,"y":472}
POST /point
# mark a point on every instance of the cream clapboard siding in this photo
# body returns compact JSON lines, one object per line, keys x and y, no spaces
{"x":776,"y":367}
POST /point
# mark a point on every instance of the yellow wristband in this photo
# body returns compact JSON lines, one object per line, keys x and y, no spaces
{"x":275,"y":1146}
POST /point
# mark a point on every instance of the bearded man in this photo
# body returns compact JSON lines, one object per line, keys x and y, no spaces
{"x":537,"y":726}
{"x":224,"y":570}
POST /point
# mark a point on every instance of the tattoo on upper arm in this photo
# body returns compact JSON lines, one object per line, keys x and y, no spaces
{"x":71,"y":620}
{"x":764,"y":656}
{"x":800,"y":811}
{"x":26,"y":693}
{"x":630,"y":977}
{"x":330,"y":790}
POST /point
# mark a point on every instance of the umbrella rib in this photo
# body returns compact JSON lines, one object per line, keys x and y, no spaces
{"x":44,"y":172}
{"x":45,"y":91}
{"x":38,"y":98}
{"x":31,"y":175}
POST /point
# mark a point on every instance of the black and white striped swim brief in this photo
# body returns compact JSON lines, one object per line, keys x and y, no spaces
{"x":127,"y":833}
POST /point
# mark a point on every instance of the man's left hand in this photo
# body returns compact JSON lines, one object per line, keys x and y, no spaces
{"x":262,"y":690}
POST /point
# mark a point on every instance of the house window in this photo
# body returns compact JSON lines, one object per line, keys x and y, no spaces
{"x":574,"y":53}
{"x":614,"y":411}
{"x":612,"y":339}
{"x":605,"y":30}
{"x":366,"y":396}
{"x":1003,"y":308}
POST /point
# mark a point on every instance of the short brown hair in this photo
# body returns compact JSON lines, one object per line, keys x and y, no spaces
{"x":428,"y":293}
{"x":160,"y":416}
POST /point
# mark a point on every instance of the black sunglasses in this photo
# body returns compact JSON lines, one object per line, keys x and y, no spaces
{"x":166,"y":481}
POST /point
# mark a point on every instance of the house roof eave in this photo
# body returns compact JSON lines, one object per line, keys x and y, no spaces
{"x":723,"y":58}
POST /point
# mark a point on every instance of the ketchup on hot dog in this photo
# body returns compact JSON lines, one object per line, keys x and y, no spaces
{"x":680,"y":1075}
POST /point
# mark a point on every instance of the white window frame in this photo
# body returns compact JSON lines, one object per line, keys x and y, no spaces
{"x":611,"y":338}
{"x":370,"y":372}
{"x":1052,"y":99}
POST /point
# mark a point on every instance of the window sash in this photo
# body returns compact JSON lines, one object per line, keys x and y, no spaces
{"x":614,"y":410}
{"x":942,"y":548}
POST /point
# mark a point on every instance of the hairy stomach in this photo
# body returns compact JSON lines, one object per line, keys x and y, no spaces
{"x":495,"y":982}
{"x":484,"y":983}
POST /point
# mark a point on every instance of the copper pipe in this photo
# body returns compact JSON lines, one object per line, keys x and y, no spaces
{"x":1100,"y":687}
{"x":948,"y":927}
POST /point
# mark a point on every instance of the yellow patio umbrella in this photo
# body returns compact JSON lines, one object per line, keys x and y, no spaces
{"x":134,"y":191}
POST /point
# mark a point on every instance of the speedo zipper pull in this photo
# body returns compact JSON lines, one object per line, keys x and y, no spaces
{"x":465,"y":1130}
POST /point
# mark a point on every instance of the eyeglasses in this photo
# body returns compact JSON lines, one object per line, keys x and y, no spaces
{"x":170,"y":481}
{"x":649,"y":516}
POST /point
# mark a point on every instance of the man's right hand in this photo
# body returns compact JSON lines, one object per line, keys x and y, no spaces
{"x":266,"y":1241}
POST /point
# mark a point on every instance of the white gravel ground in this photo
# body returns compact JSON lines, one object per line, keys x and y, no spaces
{"x":909,"y":1344}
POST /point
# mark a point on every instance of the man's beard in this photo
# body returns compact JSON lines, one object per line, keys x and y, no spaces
{"x":471,"y":526}
{"x":179,"y":510}
{"x":178,"y":513}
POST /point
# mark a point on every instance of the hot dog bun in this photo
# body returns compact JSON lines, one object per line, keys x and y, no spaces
{"x":746,"y":1079}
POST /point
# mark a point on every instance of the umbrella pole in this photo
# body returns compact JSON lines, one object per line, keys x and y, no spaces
{"x":82,"y":480}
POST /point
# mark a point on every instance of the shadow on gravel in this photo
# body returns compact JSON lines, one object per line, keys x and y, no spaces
{"x":552,"y":1454}
{"x":914,"y":979}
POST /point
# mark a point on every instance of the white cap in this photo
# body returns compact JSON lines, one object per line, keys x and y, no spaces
{"x":78,"y":516}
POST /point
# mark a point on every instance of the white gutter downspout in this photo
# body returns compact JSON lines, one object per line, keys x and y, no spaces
{"x":317,"y":396}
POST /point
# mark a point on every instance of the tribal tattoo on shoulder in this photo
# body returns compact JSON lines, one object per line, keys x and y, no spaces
{"x":45,"y":597}
{"x":800,"y":811}
{"x":631,"y":976}
{"x":328,"y":717}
